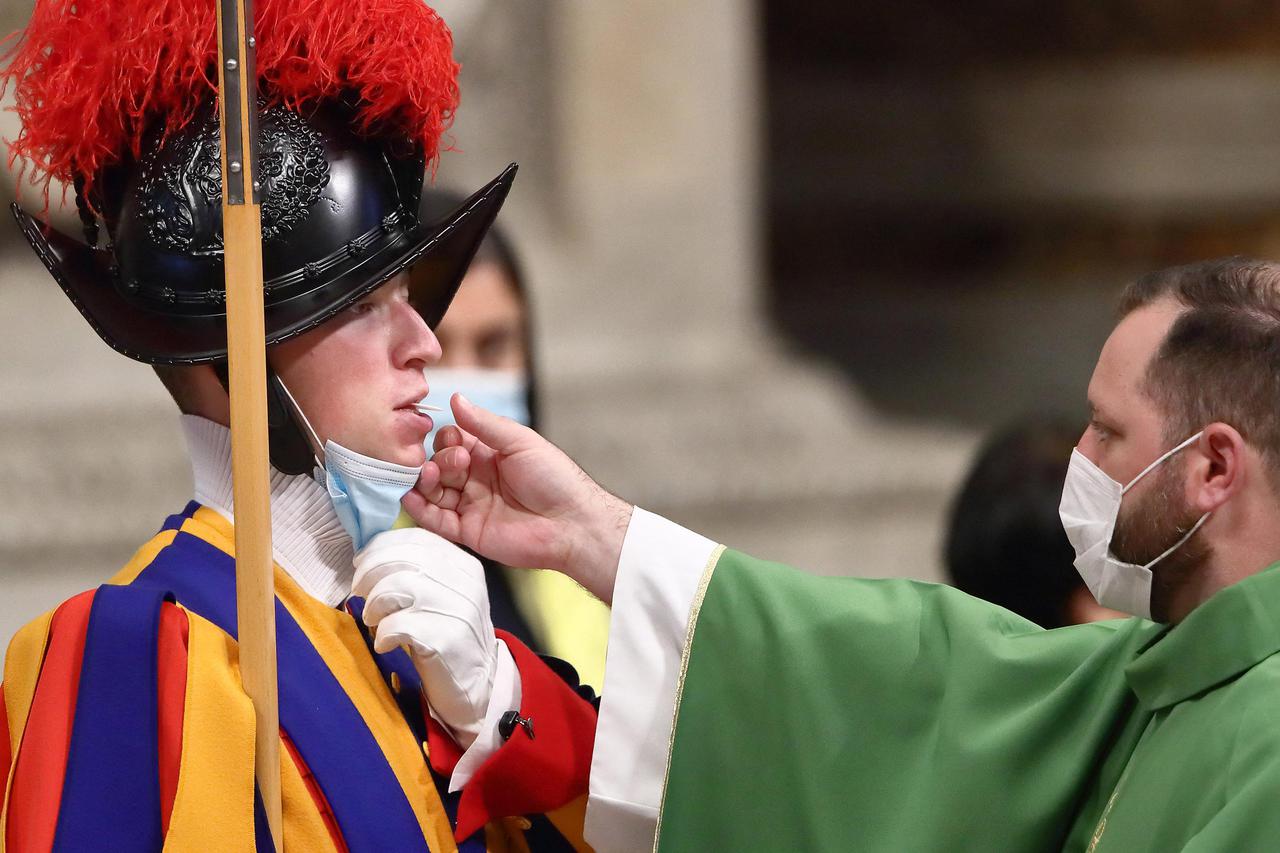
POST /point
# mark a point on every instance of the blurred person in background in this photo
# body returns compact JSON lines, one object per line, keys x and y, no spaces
{"x":489,"y":357}
{"x":1005,"y":541}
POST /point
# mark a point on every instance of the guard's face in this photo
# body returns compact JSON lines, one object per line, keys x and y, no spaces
{"x":358,"y":375}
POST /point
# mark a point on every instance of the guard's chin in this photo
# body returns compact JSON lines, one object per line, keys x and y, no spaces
{"x":411,"y":455}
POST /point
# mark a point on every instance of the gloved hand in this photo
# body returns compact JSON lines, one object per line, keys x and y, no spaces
{"x":429,"y":596}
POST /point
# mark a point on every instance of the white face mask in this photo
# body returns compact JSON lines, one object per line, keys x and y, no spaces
{"x":1090,"y":506}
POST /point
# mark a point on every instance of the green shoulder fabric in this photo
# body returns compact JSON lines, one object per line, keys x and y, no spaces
{"x":824,"y":713}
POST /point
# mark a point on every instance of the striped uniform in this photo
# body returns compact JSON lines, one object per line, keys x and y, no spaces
{"x":128,"y":730}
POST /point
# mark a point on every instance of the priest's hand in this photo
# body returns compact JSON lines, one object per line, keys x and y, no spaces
{"x":428,"y":596}
{"x":507,"y":493}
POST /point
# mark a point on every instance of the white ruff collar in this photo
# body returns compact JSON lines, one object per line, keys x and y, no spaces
{"x":306,"y":536}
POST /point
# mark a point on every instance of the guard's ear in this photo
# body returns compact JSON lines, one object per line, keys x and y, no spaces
{"x":1218,"y":471}
{"x":290,"y":451}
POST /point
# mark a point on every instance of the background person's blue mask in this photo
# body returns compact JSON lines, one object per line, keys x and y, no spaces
{"x":503,"y":392}
{"x":366,"y":492}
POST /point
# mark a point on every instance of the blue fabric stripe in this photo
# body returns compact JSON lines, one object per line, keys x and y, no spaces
{"x":371,"y":808}
{"x":261,"y":830}
{"x":395,"y":662}
{"x":174,"y":522}
{"x":409,"y":698}
{"x":111,"y":792}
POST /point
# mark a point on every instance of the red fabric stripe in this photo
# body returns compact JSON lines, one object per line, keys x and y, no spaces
{"x":6,"y":756}
{"x":313,"y":787}
{"x":42,"y":757}
{"x":171,"y":658}
{"x":540,"y":774}
{"x":443,"y":749}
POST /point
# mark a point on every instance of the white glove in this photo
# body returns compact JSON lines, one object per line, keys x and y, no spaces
{"x":426,"y":594}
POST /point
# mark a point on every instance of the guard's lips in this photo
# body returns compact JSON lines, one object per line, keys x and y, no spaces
{"x":412,"y":402}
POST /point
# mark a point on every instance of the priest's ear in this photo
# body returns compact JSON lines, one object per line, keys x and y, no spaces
{"x":1222,"y":467}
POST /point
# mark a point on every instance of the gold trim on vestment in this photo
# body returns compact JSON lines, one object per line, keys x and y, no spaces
{"x":1106,"y":811}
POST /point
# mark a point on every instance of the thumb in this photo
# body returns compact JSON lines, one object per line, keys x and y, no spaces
{"x":502,"y":434}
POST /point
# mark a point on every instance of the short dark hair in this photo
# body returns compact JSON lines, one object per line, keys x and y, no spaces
{"x":1221,"y":358}
{"x":177,"y":381}
{"x":1005,"y":541}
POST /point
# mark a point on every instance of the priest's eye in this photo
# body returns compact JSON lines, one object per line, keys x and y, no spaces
{"x":1099,"y":430}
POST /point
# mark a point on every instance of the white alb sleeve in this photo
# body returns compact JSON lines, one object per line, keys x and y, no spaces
{"x":659,"y":572}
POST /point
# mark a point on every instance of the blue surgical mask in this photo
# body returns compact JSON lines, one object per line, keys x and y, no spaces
{"x":366,"y":492}
{"x":503,"y":392}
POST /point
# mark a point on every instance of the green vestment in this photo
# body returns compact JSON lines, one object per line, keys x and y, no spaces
{"x":843,"y":714}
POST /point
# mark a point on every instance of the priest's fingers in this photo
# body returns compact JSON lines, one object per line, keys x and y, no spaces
{"x":453,"y":436}
{"x":429,"y":516}
{"x":502,"y":434}
{"x":429,"y":479}
{"x":454,"y":465}
{"x":446,"y":499}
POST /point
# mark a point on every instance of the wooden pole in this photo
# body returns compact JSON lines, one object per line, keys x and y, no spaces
{"x":246,"y":350}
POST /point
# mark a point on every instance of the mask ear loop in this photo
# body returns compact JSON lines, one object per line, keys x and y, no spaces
{"x":1183,"y":541}
{"x":316,"y":446}
{"x":1149,"y":468}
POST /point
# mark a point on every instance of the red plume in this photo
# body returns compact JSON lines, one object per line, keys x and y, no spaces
{"x":91,"y":76}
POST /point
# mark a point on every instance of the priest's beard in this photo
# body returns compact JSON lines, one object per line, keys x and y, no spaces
{"x":1147,"y":527}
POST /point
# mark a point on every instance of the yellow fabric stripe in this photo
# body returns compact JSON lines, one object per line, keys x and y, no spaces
{"x":569,"y":821}
{"x":143,"y":558}
{"x":341,"y":645}
{"x":495,"y":839}
{"x":304,"y":828}
{"x":343,"y":648}
{"x":694,"y":610}
{"x":213,"y":682}
{"x":213,"y":805}
{"x":212,"y":528}
{"x":517,"y":841}
{"x":22,"y":664}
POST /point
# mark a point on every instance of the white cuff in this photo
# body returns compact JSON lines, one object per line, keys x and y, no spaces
{"x":505,"y":697}
{"x":659,"y":572}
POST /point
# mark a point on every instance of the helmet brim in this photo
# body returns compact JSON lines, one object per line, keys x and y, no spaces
{"x":438,"y":252}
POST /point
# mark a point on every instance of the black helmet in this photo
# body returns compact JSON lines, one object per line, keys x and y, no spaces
{"x":341,"y":215}
{"x":355,"y":97}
